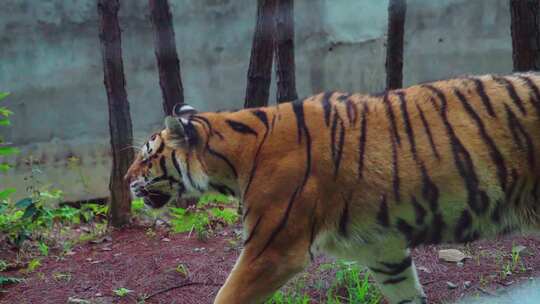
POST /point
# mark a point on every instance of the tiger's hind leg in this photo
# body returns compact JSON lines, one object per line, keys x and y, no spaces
{"x":395,"y":273}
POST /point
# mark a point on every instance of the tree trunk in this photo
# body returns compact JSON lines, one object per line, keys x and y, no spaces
{"x":262,"y":52}
{"x":166,"y":55}
{"x":284,"y":48}
{"x":119,"y":117}
{"x":394,"y":50}
{"x":525,"y":28}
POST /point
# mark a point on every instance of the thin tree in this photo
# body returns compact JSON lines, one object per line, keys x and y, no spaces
{"x":262,"y":52}
{"x":284,"y":50}
{"x":119,"y":117}
{"x":394,"y":51}
{"x":525,"y":29}
{"x":166,"y":55}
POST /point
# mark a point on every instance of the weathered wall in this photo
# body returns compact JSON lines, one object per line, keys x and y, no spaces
{"x":51,"y":63}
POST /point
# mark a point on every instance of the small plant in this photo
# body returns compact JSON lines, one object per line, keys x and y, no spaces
{"x":183,"y":270}
{"x":122,"y":292}
{"x":9,"y":280}
{"x":32,"y":265}
{"x":137,"y":206}
{"x":43,"y":248}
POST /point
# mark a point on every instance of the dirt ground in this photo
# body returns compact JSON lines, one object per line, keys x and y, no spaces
{"x":155,"y":264}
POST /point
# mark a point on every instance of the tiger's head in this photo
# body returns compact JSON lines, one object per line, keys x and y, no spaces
{"x":167,"y":166}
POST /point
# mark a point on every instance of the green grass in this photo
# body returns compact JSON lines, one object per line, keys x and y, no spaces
{"x":351,"y":284}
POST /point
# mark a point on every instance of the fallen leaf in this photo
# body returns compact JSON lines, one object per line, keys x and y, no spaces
{"x":451,"y":255}
{"x":77,"y":301}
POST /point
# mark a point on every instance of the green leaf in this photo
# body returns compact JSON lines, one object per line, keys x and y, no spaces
{"x":8,"y":151}
{"x":6,"y":192}
{"x":24,"y":203}
{"x":9,"y":280}
{"x":5,"y":112}
{"x":4,"y":122}
{"x":4,"y":167}
{"x":30,"y":211}
{"x":3,"y":95}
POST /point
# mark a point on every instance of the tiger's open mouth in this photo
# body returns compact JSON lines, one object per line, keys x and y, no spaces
{"x":156,"y":199}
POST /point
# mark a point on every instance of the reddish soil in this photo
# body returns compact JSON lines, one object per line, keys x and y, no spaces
{"x":147,"y":264}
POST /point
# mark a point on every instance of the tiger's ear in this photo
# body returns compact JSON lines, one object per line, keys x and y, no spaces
{"x":183,"y":110}
{"x":181,"y":133}
{"x":174,"y":126}
{"x":177,"y":134}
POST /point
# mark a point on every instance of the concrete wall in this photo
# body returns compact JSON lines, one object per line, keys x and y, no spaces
{"x":51,"y":63}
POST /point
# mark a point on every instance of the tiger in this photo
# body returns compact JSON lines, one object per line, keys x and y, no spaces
{"x":360,"y":177}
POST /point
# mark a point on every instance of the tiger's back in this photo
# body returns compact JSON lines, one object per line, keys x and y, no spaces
{"x":366,"y":177}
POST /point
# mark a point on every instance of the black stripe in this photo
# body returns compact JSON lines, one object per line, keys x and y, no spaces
{"x":395,"y":170}
{"x":405,"y":302}
{"x":352,"y":112}
{"x":344,"y":218}
{"x":240,"y":127}
{"x":252,"y":233}
{"x":406,"y":229}
{"x":175,"y":164}
{"x":383,"y":218}
{"x":519,"y":193}
{"x":535,"y":93}
{"x":390,"y":114}
{"x":261,"y":115}
{"x":481,"y":91}
{"x":406,"y":120}
{"x":273,"y":121}
{"x":244,"y":216}
{"x":337,"y":150}
{"x":428,"y":132}
{"x":362,"y":141}
{"x":494,"y":152}
{"x":393,"y":281}
{"x":463,"y":224}
{"x":327,"y":107}
{"x":437,"y":228}
{"x":163,"y":166}
{"x":394,"y":268}
{"x":312,"y":237}
{"x":207,"y":123}
{"x":512,"y":93}
{"x":190,"y":132}
{"x":281,"y":224}
{"x":222,"y":189}
{"x":188,"y":169}
{"x":512,"y":186}
{"x":462,"y":158}
{"x":160,"y":148}
{"x":224,"y":158}
{"x":535,"y":191}
{"x":298,"y":109}
{"x":430,"y":192}
{"x":343,"y":97}
{"x":419,"y":211}
{"x":496,"y":213}
{"x":517,"y":128}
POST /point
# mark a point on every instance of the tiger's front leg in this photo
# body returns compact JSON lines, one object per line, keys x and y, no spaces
{"x":254,"y":278}
{"x":395,"y":273}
